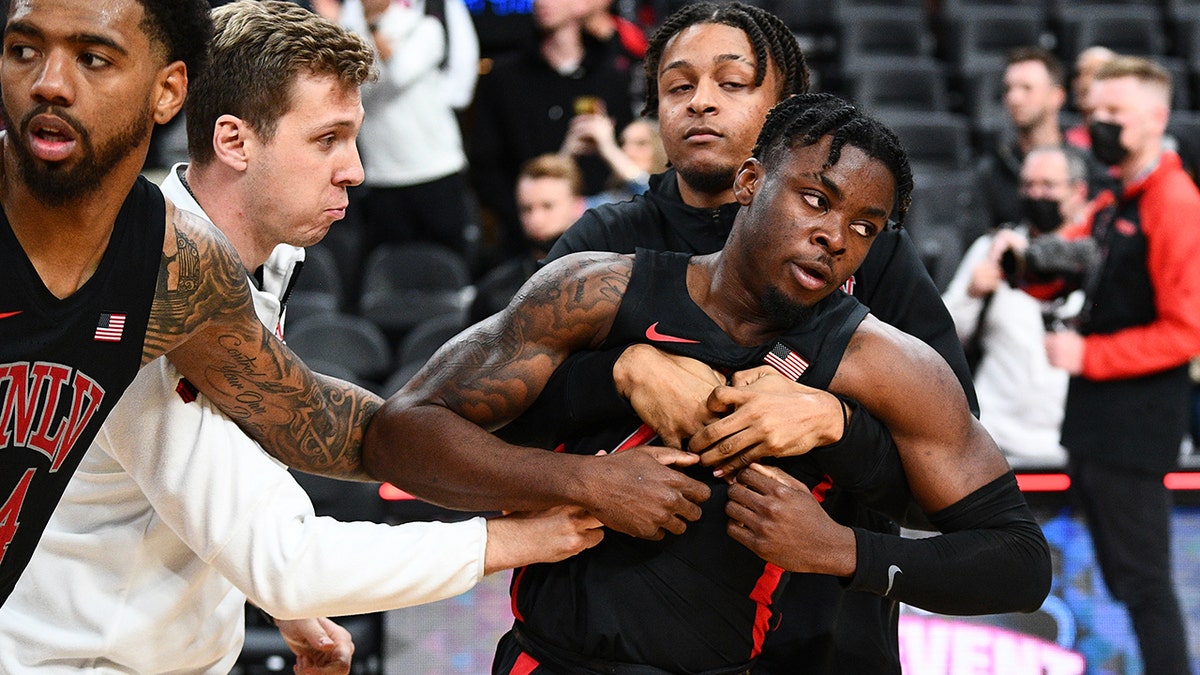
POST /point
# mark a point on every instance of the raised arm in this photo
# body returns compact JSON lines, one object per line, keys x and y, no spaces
{"x":204,"y":319}
{"x":432,"y":438}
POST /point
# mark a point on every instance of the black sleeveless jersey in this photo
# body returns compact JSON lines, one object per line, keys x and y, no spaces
{"x":63,"y":365}
{"x":698,"y":601}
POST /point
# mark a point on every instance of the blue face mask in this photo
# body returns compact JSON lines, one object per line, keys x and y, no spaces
{"x":1106,"y":143}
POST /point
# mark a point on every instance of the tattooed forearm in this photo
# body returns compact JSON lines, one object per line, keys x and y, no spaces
{"x":200,"y":278}
{"x":308,"y":421}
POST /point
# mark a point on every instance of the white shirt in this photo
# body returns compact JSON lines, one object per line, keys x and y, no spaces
{"x":1021,"y":396}
{"x":175,"y":517}
{"x":410,"y":133}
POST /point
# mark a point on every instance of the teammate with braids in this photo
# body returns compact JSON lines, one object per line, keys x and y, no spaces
{"x":823,"y":185}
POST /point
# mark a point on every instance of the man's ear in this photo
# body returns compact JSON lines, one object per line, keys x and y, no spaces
{"x":230,"y":136}
{"x":747,"y":180}
{"x":171,"y":90}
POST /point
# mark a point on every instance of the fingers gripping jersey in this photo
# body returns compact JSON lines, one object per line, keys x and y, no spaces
{"x":697,"y":602}
{"x":63,"y":365}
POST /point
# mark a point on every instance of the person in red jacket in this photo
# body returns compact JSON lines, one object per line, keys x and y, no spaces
{"x":1128,"y":400}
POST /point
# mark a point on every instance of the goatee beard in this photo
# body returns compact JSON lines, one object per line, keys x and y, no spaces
{"x":709,"y":181}
{"x":783,"y":312}
{"x":56,"y":184}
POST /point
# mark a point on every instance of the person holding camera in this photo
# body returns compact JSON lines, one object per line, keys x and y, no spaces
{"x":1002,"y":328}
{"x":1128,"y":399}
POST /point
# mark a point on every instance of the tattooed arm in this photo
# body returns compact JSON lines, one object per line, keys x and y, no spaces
{"x":432,"y":438}
{"x":203,"y":317}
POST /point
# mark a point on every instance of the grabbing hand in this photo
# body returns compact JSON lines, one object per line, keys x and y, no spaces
{"x":765,"y":415}
{"x":668,"y":392}
{"x":321,"y":646}
{"x":775,"y":516}
{"x":519,"y":539}
{"x":637,"y":492}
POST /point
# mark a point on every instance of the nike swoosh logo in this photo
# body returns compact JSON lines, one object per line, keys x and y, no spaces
{"x":5,"y":315}
{"x":892,"y":572}
{"x":655,"y":336}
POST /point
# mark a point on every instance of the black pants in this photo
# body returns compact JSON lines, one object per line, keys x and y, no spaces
{"x":1129,"y":516}
{"x":437,"y":211}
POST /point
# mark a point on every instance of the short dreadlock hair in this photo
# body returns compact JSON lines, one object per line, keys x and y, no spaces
{"x":769,"y":36}
{"x":805,"y":119}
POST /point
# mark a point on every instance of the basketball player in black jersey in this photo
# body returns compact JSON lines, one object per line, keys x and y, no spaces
{"x":100,"y":275}
{"x":822,"y":184}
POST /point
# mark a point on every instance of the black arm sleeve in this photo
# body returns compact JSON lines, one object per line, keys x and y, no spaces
{"x":991,"y":558}
{"x":866,"y":463}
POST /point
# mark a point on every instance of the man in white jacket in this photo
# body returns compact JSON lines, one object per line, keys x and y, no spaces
{"x":175,"y":516}
{"x":428,"y":59}
{"x":1021,"y":396}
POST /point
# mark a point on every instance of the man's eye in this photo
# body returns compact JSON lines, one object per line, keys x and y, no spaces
{"x":863,"y":229}
{"x":815,"y":200}
{"x":93,"y":61}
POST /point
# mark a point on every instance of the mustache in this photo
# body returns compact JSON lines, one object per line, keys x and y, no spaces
{"x":56,"y":111}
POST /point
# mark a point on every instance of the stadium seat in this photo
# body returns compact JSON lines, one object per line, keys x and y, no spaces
{"x":934,"y":141}
{"x":426,"y":337}
{"x":979,"y":37}
{"x":1135,"y":30}
{"x":883,"y":31}
{"x":883,"y":83}
{"x":351,"y":342}
{"x":404,"y":284}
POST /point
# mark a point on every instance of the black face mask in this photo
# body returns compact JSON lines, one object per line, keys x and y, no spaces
{"x":1041,"y":214}
{"x":1106,"y":142}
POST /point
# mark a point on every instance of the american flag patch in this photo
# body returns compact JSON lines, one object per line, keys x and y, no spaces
{"x":848,"y":287}
{"x":109,"y":327}
{"x":786,"y":361}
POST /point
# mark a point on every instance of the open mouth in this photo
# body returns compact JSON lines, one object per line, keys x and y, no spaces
{"x":50,"y":138}
{"x":812,"y":276}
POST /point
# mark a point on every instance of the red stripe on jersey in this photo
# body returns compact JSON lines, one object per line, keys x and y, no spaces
{"x":822,"y":489}
{"x":516,"y":585}
{"x":642,"y":436}
{"x":525,"y":665}
{"x":764,"y":588}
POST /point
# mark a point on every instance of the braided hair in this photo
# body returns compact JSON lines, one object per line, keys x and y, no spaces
{"x":805,"y":119}
{"x":769,"y":37}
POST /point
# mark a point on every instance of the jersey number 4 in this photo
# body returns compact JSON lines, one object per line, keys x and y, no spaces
{"x":11,"y":510}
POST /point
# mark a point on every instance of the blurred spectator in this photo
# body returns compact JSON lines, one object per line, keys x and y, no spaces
{"x":1128,"y":399}
{"x":1033,"y":96}
{"x":638,"y":154}
{"x":549,"y":195}
{"x":525,"y":104}
{"x":1002,"y":328}
{"x":412,"y":147}
{"x":1085,"y":69}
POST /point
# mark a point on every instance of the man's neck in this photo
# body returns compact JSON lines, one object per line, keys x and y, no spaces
{"x":1045,"y":133}
{"x":219,"y":196}
{"x":1137,"y":165}
{"x":64,"y":242}
{"x":700,"y":199}
{"x":563,"y":47}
